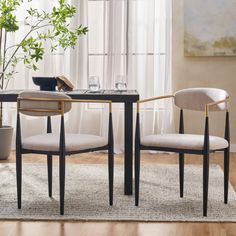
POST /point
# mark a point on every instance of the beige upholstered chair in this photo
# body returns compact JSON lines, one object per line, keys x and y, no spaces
{"x":38,"y":103}
{"x":198,"y":99}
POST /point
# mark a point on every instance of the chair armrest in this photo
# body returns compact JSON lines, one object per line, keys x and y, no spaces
{"x":152,"y":99}
{"x":208,"y":105}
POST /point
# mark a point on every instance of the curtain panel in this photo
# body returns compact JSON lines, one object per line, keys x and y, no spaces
{"x":127,"y":38}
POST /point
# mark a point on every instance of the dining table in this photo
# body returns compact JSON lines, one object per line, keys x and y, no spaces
{"x":127,"y":97}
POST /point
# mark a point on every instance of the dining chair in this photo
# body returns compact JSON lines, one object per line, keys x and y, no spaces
{"x":47,"y":104}
{"x":197,"y":99}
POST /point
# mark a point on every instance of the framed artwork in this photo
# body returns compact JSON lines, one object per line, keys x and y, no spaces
{"x":210,"y":27}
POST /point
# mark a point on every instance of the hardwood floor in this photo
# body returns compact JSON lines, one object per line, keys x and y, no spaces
{"x":67,"y":228}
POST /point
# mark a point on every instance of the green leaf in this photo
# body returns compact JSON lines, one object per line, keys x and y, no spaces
{"x":34,"y":67}
{"x":52,"y":26}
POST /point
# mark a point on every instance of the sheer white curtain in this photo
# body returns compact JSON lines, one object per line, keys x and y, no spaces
{"x":138,"y":38}
{"x":71,"y":63}
{"x":149,"y":60}
{"x":51,"y":65}
{"x":126,"y":37}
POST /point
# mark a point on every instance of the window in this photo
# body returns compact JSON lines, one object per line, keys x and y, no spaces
{"x":141,"y":39}
{"x":143,"y":36}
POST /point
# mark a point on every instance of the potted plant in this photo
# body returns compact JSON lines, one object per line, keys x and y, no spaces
{"x":53,"y":26}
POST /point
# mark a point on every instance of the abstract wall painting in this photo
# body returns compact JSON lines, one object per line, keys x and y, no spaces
{"x":210,"y":27}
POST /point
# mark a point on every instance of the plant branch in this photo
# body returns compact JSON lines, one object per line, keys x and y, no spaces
{"x":32,"y":45}
{"x":15,"y":45}
{"x":4,"y":57}
{"x":33,"y":28}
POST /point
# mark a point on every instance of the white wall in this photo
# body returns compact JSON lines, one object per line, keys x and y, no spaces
{"x":217,"y":72}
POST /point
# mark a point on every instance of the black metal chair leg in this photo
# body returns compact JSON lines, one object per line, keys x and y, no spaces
{"x":137,"y":175}
{"x":19,"y":178}
{"x":205,"y":182}
{"x":62,"y":182}
{"x":49,"y":165}
{"x":226,"y":174}
{"x":181,"y":174}
{"x":111,"y":174}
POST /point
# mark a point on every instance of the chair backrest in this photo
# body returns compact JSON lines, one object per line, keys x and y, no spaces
{"x":42,"y":105}
{"x":196,"y":98}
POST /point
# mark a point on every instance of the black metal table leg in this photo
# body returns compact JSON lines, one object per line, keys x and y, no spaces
{"x":128,"y":147}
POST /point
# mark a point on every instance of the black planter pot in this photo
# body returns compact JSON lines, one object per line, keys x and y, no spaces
{"x":45,"y":83}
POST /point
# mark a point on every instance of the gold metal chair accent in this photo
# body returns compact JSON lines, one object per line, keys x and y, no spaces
{"x":51,"y":104}
{"x":199,"y":99}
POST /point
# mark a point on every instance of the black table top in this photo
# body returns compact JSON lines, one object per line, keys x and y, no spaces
{"x":114,"y":95}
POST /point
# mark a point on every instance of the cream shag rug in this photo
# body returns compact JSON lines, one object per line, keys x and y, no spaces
{"x":87,"y":194}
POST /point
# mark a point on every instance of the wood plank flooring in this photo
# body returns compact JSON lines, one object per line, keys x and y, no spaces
{"x":41,"y":228}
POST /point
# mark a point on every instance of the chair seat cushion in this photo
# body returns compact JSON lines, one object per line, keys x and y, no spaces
{"x":74,"y":142}
{"x":183,"y":141}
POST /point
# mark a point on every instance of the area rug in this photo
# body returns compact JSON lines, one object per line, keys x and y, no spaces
{"x":87,"y":194}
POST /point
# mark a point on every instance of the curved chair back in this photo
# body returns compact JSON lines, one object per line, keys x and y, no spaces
{"x":196,"y":98}
{"x":48,"y":108}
